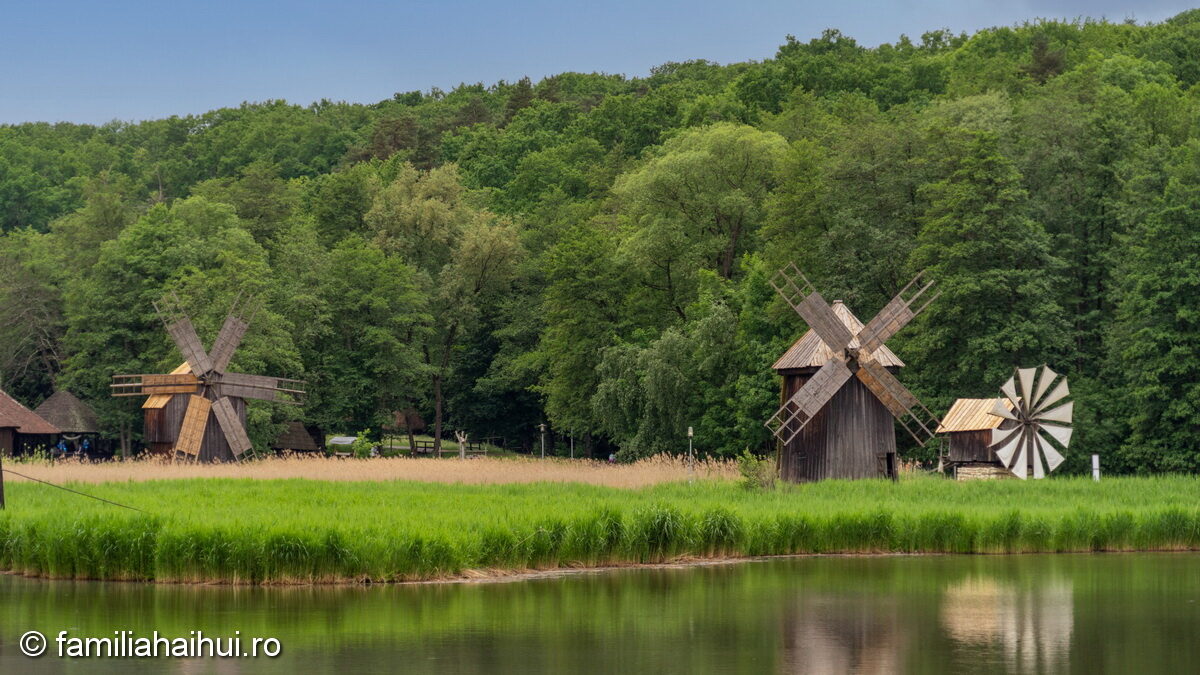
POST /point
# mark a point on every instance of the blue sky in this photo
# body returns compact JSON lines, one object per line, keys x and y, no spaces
{"x":96,"y":60}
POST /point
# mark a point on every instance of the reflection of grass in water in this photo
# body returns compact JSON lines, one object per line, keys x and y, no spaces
{"x":300,"y":530}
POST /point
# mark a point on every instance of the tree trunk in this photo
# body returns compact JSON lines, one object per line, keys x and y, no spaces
{"x":412,"y":440}
{"x":125,"y":440}
{"x":437,"y":415}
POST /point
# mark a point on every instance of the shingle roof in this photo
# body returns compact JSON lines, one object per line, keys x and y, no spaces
{"x":69,"y":414}
{"x":26,"y":421}
{"x":972,"y":414}
{"x":810,"y":351}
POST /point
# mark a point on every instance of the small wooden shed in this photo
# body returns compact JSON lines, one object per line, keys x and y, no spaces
{"x":854,"y":435}
{"x":968,"y":426}
{"x":31,"y":431}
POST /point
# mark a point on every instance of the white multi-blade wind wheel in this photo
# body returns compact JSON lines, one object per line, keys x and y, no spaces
{"x":1038,"y":415}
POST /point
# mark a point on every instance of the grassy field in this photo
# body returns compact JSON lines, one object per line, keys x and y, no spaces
{"x":299,"y":530}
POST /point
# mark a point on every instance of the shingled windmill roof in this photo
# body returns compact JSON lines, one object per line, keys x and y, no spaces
{"x":25,"y":420}
{"x":811,"y":352}
{"x":69,"y":414}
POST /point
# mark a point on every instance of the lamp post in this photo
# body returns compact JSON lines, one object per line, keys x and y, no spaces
{"x":691,"y":458}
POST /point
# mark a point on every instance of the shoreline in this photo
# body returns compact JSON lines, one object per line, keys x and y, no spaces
{"x":506,"y":576}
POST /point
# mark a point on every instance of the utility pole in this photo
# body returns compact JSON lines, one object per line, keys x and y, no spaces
{"x":542,"y":428}
{"x":1,"y":486}
{"x":691,"y":458}
{"x":572,"y":432}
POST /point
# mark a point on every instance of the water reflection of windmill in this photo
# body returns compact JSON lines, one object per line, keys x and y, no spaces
{"x":1032,"y":626}
{"x":843,"y":633}
{"x":213,"y":427}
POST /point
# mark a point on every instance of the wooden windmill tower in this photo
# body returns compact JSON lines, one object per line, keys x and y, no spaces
{"x":213,"y":424}
{"x":840,"y":393}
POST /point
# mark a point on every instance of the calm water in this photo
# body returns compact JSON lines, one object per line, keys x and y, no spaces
{"x":1089,"y":614}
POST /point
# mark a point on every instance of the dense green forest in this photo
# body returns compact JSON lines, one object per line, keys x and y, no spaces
{"x":593,"y":251}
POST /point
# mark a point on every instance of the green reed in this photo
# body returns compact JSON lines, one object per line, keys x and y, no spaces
{"x":302,"y":531}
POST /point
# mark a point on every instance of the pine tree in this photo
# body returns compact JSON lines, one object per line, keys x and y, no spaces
{"x":1155,"y":341}
{"x":996,"y":273}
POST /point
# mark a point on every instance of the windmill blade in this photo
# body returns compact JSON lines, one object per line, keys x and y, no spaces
{"x":1035,"y":456}
{"x":1059,"y":392}
{"x":150,"y":385}
{"x":231,"y":426}
{"x":1001,"y":410}
{"x":916,"y":419}
{"x":808,"y":400}
{"x":1060,"y":434}
{"x":1053,"y":458}
{"x":808,"y":303}
{"x":1044,"y":382}
{"x":183,"y":333}
{"x":894,"y":316}
{"x":1004,"y":443}
{"x":227,"y":342}
{"x":1020,"y":467}
{"x":260,"y":387}
{"x":1026,"y":377}
{"x":1010,"y":390}
{"x":191,"y":432}
{"x":1060,"y":414}
{"x":820,"y":317}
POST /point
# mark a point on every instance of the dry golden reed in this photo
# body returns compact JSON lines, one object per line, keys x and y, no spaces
{"x":479,"y":470}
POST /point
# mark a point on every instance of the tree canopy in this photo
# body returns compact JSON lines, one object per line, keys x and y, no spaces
{"x":592,"y":251}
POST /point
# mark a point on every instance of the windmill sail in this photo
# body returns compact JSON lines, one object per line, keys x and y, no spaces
{"x":1028,"y":444}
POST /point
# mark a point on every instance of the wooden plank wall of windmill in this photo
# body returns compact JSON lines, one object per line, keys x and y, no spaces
{"x":844,"y":440}
{"x":215,"y":448}
{"x":162,"y":424}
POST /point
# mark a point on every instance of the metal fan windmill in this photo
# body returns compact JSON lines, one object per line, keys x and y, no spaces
{"x":840,"y":393}
{"x":1038,"y":412}
{"x":214,"y":423}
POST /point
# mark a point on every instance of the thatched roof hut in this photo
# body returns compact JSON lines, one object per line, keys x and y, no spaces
{"x":295,"y":438}
{"x":69,"y":414}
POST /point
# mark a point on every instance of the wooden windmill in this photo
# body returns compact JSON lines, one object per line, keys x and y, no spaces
{"x":213,"y":427}
{"x":840,"y":393}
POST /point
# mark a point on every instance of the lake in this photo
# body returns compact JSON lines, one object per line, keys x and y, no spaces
{"x":1030,"y":613}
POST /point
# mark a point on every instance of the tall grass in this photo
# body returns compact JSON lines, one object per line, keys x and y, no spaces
{"x":304,"y":531}
{"x":510,"y":469}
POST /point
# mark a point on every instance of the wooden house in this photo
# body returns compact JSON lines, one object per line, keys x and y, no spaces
{"x":854,"y":435}
{"x":74,"y":418}
{"x":27,"y":431}
{"x":968,"y":427}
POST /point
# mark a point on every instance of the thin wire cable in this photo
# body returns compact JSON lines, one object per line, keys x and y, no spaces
{"x":84,"y":494}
